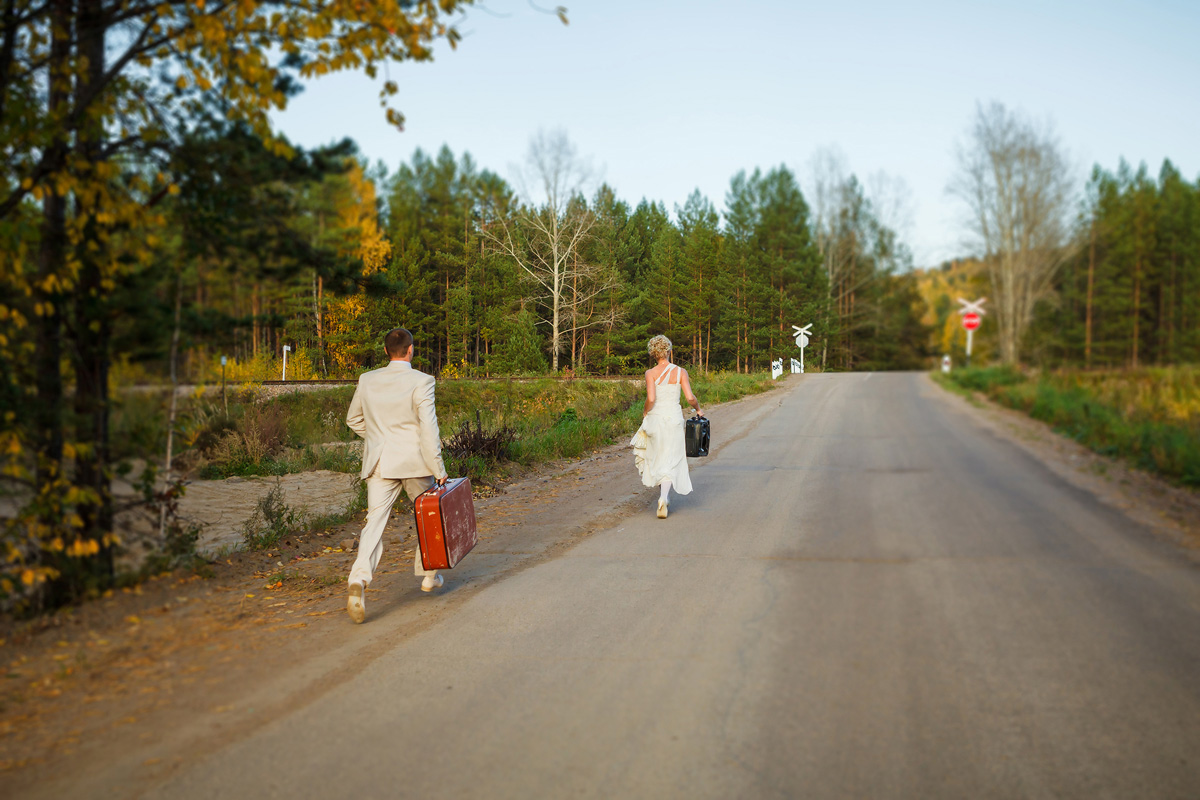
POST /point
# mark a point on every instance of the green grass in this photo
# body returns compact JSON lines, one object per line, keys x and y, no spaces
{"x":1106,"y":412}
{"x":306,"y":459}
{"x":721,"y":387}
{"x":551,"y":419}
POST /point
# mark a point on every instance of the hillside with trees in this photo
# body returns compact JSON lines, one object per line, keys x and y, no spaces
{"x":1104,"y":278}
{"x":1125,"y":295}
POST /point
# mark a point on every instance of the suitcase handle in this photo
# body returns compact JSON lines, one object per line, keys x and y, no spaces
{"x":438,"y":487}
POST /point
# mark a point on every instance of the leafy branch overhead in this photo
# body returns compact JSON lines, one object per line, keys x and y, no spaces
{"x":142,"y":71}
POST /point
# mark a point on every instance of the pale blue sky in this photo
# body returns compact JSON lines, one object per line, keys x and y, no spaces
{"x":669,"y":96}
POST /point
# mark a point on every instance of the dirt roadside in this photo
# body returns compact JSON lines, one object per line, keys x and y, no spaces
{"x":112,"y":697}
{"x":1171,"y":512}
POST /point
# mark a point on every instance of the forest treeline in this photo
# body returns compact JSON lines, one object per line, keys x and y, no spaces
{"x":324,"y":256}
{"x":1130,"y":294}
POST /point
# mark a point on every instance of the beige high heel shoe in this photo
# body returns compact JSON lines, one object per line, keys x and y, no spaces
{"x":662,"y":509}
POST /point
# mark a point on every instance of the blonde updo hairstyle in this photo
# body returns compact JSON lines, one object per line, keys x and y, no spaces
{"x":659,"y":347}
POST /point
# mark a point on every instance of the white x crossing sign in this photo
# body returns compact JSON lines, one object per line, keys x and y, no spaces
{"x":801,"y":336}
{"x":972,"y":314}
{"x":975,"y":307}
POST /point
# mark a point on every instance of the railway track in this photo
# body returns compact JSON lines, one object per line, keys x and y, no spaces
{"x":331,"y":382}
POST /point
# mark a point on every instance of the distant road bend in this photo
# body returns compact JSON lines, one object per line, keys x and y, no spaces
{"x":867,"y":595}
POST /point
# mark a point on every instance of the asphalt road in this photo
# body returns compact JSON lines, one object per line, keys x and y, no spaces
{"x":866,"y":596}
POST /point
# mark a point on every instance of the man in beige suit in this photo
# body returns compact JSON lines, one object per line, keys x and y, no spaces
{"x":393,"y":412}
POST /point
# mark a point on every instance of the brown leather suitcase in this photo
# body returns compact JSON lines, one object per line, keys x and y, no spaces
{"x":445,"y":523}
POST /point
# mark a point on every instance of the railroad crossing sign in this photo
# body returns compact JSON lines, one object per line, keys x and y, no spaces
{"x":972,"y":314}
{"x":801,"y":336}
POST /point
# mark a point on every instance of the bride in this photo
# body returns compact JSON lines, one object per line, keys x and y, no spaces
{"x":658,"y":448}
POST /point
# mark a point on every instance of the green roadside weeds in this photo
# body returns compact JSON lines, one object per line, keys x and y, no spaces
{"x":540,"y":420}
{"x":1148,"y":418}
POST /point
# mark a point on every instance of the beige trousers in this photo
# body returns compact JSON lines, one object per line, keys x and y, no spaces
{"x":382,"y":494}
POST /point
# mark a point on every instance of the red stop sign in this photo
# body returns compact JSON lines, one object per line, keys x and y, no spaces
{"x":970,"y":321}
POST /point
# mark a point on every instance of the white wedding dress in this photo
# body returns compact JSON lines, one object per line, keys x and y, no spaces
{"x":658,"y":448}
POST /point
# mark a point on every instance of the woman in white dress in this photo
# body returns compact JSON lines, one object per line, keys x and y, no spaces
{"x":658,"y":448}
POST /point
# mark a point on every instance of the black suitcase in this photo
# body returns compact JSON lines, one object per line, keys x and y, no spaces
{"x":696,"y":436}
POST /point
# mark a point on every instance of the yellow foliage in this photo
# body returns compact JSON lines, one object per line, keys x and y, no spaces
{"x":463,"y":369}
{"x":357,"y":213}
{"x":83,"y":547}
{"x":340,"y":317}
{"x":941,"y":287}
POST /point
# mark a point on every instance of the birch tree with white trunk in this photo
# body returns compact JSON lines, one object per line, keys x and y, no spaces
{"x":1016,"y":182}
{"x":543,"y":236}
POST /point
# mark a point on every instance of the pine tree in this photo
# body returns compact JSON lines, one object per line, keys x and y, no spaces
{"x":701,"y":303}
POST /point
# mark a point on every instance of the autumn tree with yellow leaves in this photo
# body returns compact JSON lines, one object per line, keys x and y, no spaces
{"x":94,"y":96}
{"x":366,"y":242}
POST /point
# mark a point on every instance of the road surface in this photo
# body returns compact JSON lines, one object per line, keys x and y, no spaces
{"x":867,"y":595}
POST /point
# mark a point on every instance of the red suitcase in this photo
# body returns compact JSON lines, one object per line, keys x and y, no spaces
{"x":445,"y":523}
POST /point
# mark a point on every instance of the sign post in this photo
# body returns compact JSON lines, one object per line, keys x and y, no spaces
{"x":801,"y":335}
{"x":224,"y":399}
{"x":287,"y":348}
{"x":972,"y":315}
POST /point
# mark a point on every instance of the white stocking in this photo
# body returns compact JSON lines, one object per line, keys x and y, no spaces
{"x":664,"y":489}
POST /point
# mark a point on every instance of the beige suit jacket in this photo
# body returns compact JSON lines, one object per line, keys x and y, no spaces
{"x":393,"y":412}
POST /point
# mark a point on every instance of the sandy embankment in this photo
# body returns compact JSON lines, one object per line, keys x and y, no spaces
{"x":222,"y":507}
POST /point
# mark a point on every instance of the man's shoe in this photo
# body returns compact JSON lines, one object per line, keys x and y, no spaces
{"x":662,"y":509}
{"x":432,"y":582}
{"x":356,"y":604}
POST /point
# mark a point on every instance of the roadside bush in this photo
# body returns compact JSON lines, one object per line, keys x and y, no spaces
{"x":272,"y":520}
{"x":493,"y":445}
{"x":985,"y":379}
{"x":245,"y":449}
